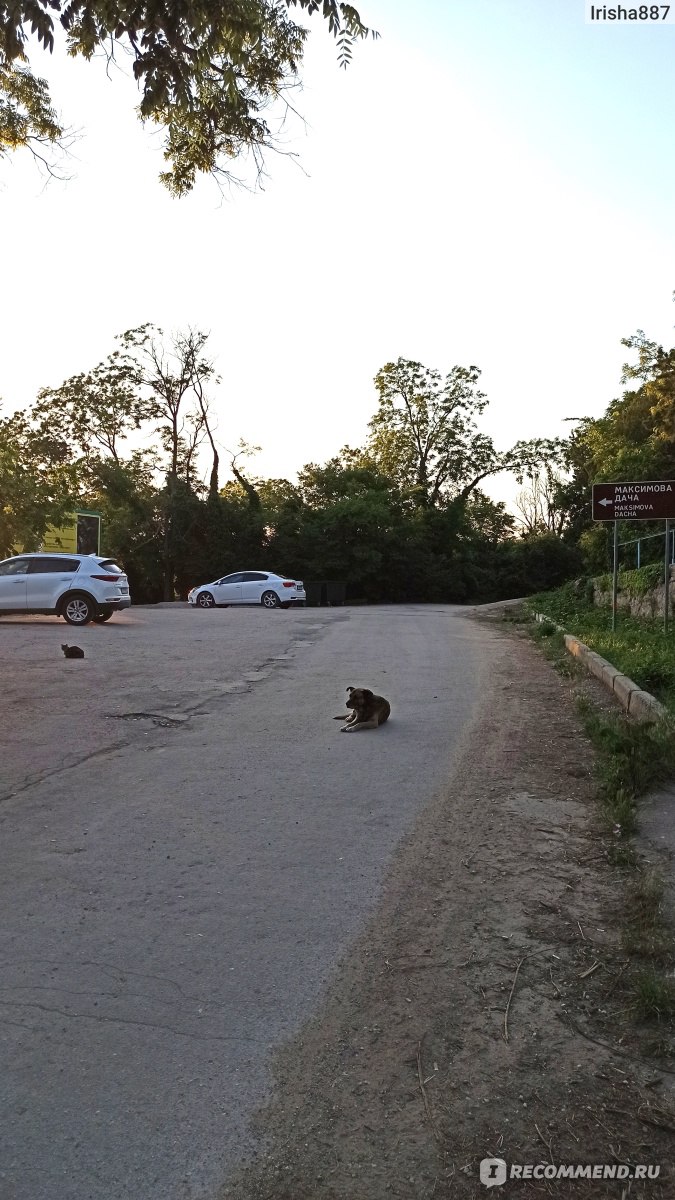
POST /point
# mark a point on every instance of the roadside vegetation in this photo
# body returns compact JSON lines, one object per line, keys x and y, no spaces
{"x":631,"y":759}
{"x":638,"y":647}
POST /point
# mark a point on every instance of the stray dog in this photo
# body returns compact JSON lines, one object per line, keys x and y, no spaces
{"x":73,"y":651}
{"x":368,"y":710}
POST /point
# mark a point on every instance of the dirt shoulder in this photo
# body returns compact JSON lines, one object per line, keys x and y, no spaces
{"x":483,"y":1013}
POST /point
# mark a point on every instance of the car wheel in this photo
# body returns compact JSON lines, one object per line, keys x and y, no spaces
{"x":102,"y":616}
{"x":270,"y":600}
{"x":206,"y":600}
{"x":78,"y":609}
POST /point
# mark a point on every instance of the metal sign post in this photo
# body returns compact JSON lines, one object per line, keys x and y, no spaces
{"x":666,"y":578}
{"x":644,"y":500}
{"x":615,"y":574}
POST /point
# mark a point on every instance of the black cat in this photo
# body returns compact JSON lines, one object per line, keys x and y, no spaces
{"x":73,"y":652}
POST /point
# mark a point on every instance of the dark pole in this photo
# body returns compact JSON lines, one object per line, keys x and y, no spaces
{"x":615,"y":573}
{"x":666,"y":578}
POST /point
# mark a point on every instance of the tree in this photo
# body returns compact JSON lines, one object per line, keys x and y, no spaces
{"x":27,"y":119}
{"x":206,"y":70}
{"x":126,"y":495}
{"x":98,"y":410}
{"x":424,"y":434}
{"x":541,"y":504}
{"x":634,"y":439}
{"x":172,"y":378}
{"x":349,"y":473}
{"x":37,"y":484}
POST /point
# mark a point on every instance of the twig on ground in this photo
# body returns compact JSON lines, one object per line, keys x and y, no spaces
{"x":581,"y":931}
{"x":425,"y":1098}
{"x":547,"y":1144}
{"x":614,"y":982}
{"x":618,"y":1050}
{"x":647,"y":1120}
{"x":585,"y":974}
{"x":421,"y":966}
{"x":513,"y":988}
{"x":572,"y":1131}
{"x":557,"y":989}
{"x":465,"y":861}
{"x":470,"y":959}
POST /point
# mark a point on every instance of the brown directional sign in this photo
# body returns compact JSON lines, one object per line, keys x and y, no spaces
{"x":643,"y":501}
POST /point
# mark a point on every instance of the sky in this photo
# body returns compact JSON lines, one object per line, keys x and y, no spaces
{"x":491,"y":182}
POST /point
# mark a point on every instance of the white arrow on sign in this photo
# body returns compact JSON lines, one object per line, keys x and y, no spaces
{"x":605,"y":501}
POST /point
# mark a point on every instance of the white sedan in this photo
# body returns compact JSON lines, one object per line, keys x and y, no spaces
{"x":249,"y":587}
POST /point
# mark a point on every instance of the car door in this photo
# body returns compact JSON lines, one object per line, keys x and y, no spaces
{"x":228,"y":589}
{"x":48,"y":578}
{"x":253,"y":585}
{"x":13,"y":581}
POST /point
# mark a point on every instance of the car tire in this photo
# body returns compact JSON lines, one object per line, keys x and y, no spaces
{"x":206,"y":600}
{"x":78,"y":609}
{"x":102,"y":617}
{"x":270,"y":600}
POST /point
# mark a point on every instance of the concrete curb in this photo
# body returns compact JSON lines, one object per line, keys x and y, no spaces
{"x":644,"y":707}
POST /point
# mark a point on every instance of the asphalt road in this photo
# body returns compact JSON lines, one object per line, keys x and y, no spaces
{"x":187,"y":847}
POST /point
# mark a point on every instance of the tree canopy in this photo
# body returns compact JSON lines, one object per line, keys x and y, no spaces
{"x":425,"y":436}
{"x":207,"y":71}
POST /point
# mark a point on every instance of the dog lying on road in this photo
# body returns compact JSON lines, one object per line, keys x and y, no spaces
{"x":367,"y":710}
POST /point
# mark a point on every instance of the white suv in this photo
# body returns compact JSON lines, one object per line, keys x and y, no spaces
{"x":78,"y":587}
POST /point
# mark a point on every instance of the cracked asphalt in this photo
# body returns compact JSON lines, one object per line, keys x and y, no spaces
{"x":187,"y":848}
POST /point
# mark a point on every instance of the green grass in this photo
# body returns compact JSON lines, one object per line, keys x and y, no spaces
{"x":654,"y":997}
{"x":646,"y":933}
{"x":638,"y":648}
{"x":637,"y":582}
{"x":631,"y":760}
{"x":552,"y":644}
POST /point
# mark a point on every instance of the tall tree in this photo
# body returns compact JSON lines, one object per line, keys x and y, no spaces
{"x":171,"y":377}
{"x":424,"y":434}
{"x":206,"y":70}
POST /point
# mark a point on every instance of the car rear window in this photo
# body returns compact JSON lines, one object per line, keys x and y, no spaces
{"x":111,"y":565}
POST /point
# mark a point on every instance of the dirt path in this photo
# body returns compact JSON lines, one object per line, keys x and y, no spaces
{"x":483,"y":1012}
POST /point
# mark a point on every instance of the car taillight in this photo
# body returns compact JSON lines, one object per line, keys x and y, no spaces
{"x":288,"y":583}
{"x":108,"y":578}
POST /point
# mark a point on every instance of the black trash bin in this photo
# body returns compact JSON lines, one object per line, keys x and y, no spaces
{"x":313,"y":594}
{"x":325,"y":593}
{"x":336,"y":590}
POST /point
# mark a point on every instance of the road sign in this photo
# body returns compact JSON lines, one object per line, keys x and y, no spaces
{"x":640,"y":501}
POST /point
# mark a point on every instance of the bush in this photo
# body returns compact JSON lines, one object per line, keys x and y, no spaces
{"x":537,"y":564}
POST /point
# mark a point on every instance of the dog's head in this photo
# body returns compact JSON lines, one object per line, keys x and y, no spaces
{"x":358,"y":697}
